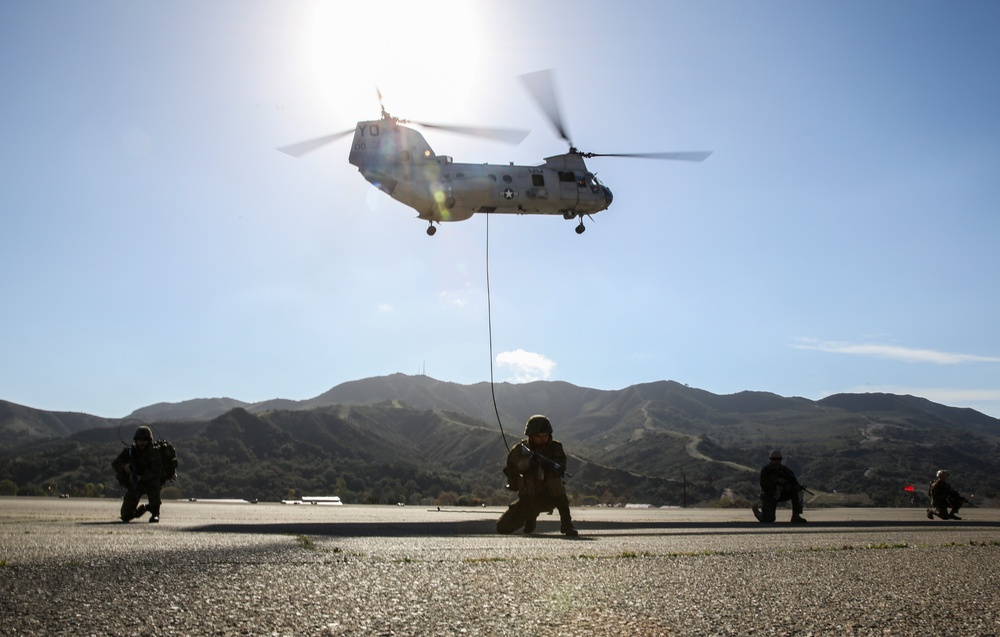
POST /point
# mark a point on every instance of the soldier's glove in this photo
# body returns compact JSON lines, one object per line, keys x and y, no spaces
{"x":513,"y":479}
{"x":122,"y":479}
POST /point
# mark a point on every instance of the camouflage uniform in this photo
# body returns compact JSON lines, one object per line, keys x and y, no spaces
{"x":539,"y":486}
{"x":778,"y":484}
{"x":138,"y":470}
{"x":943,"y":496}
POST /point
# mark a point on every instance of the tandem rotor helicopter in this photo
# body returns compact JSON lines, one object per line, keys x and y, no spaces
{"x":398,"y":161}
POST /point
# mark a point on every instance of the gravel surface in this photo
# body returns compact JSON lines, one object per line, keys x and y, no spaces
{"x":67,"y":567}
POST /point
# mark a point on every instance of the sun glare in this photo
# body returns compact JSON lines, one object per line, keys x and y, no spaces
{"x":422,"y":56}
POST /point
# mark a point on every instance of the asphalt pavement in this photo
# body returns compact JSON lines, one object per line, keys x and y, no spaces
{"x":69,"y":567}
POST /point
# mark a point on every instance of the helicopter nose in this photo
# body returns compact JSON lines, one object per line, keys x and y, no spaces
{"x":608,"y":197}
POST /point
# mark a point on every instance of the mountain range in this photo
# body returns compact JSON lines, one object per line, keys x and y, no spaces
{"x":411,"y":438}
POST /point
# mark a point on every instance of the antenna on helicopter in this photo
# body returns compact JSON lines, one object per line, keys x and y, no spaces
{"x":385,"y":113}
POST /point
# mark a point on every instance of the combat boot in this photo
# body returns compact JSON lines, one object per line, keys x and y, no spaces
{"x":566,"y":528}
{"x":529,"y":526}
{"x":798,"y":519}
{"x":756,"y":512}
{"x":139,"y":510}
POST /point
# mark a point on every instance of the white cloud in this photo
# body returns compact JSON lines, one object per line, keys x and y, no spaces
{"x":386,"y":308}
{"x":456,"y":298}
{"x":893,"y":352}
{"x":527,"y":366}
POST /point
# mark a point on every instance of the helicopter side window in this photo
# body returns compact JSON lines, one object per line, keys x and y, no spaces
{"x":492,"y":177}
{"x":567,"y":176}
{"x":507,"y":179}
{"x":405,"y":156}
{"x":538,"y":180}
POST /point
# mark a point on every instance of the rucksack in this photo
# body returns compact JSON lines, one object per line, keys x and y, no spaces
{"x":168,"y":460}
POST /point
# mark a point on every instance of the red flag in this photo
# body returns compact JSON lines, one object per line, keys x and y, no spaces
{"x":908,"y":487}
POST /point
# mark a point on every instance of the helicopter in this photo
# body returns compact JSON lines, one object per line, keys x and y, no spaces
{"x":397,"y":160}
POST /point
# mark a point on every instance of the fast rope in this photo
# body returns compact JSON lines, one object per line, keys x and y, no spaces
{"x":489,"y":322}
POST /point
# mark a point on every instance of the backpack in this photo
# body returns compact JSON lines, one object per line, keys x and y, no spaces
{"x":168,"y":460}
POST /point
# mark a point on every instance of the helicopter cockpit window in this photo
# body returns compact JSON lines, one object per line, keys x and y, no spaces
{"x":567,"y":176}
{"x":538,"y":180}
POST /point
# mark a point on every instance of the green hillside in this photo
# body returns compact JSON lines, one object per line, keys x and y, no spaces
{"x":414,"y":439}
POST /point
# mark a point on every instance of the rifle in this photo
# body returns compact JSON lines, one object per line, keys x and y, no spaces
{"x":549,"y":462}
{"x":802,"y":488}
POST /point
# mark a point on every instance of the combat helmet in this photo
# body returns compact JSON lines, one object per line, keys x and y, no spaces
{"x":143,"y":433}
{"x":943,"y":473}
{"x":537,"y":425}
{"x":775,"y":454}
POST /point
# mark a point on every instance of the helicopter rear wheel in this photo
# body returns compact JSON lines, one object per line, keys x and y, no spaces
{"x":580,"y":228}
{"x":431,"y":230}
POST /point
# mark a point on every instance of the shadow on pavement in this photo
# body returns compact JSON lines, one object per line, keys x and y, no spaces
{"x":488,"y":527}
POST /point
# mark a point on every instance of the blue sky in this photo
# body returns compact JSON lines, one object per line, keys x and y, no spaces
{"x":155,"y":246}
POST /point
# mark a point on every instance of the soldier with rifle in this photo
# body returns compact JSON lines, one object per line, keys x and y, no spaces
{"x":535,"y":469}
{"x":138,"y":468}
{"x":778,"y":484}
{"x":943,"y":496}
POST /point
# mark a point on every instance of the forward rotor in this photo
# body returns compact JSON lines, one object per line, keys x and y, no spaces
{"x":505,"y":135}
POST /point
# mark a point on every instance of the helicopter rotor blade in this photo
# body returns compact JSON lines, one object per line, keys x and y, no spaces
{"x":506,"y":135}
{"x":541,"y":86}
{"x":700,"y":155}
{"x":301,"y":148}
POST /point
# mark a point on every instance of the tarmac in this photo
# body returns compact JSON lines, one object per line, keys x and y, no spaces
{"x":70,"y":567}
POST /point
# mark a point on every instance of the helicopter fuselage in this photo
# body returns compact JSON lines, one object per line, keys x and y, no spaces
{"x":397,"y":160}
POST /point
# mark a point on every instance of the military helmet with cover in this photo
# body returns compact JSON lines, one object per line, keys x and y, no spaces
{"x":775,"y":454}
{"x":943,"y":473}
{"x":143,"y":433}
{"x":537,"y":425}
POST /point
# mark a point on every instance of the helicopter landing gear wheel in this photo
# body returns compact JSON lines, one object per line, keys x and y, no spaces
{"x":431,"y":230}
{"x":580,"y":228}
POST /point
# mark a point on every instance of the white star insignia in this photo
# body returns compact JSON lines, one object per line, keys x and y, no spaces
{"x":508,"y":194}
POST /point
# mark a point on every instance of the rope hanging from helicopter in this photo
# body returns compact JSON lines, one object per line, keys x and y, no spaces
{"x":489,"y":323}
